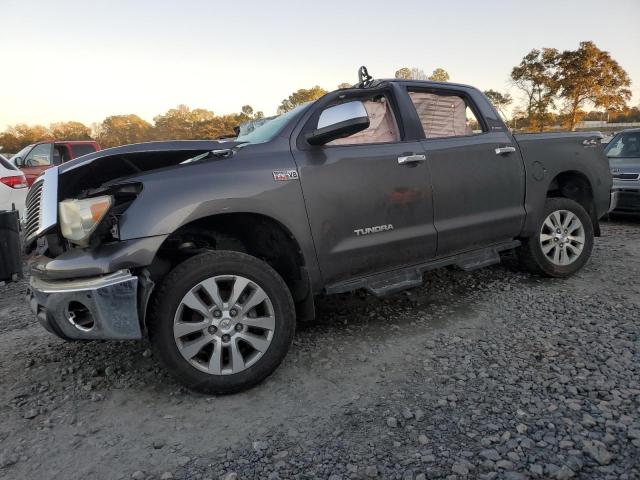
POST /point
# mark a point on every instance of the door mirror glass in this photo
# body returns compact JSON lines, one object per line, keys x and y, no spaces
{"x":339,"y":121}
{"x":18,"y":162}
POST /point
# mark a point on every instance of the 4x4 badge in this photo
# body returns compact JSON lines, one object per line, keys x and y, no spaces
{"x":284,"y":175}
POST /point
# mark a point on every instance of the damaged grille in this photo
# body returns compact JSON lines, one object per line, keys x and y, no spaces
{"x":34,"y":198}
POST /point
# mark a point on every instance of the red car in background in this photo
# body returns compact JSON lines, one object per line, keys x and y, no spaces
{"x":36,"y":158}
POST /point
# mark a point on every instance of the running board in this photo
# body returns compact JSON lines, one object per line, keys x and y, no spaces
{"x":393,"y":281}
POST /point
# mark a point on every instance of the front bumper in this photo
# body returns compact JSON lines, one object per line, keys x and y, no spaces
{"x":625,"y":200}
{"x":94,"y":308}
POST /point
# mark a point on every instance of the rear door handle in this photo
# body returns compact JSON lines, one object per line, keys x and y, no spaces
{"x":504,"y":150}
{"x":411,"y":158}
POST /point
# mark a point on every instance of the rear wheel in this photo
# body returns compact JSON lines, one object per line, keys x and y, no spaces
{"x":563,"y":242}
{"x":222,"y":321}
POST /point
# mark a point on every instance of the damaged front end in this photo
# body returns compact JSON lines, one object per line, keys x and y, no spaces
{"x":86,"y":281}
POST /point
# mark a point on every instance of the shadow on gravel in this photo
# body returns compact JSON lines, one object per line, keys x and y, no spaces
{"x":623,"y":219}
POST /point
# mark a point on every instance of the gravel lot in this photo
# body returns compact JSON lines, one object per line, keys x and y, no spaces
{"x":492,"y":374}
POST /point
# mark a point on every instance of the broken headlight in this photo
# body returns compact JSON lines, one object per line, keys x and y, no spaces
{"x":80,"y":218}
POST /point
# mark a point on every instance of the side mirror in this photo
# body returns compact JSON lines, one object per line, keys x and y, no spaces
{"x":339,"y":121}
{"x":18,"y":162}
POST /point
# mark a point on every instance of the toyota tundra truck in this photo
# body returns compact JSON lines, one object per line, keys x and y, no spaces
{"x":215,"y":249}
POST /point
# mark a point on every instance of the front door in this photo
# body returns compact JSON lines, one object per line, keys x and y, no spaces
{"x":368,"y":197}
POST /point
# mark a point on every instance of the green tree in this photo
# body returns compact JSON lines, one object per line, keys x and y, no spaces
{"x":299,"y":97}
{"x":500,"y":100}
{"x":439,"y":75}
{"x":535,"y":76}
{"x":123,"y":129}
{"x":589,"y":75}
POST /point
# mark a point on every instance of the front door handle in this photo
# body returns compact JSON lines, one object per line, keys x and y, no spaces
{"x":411,"y":158}
{"x":503,"y":150}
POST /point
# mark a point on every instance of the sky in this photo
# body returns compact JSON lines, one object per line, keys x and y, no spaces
{"x":85,"y":60}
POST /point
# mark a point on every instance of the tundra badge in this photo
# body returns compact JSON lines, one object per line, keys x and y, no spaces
{"x":377,"y":229}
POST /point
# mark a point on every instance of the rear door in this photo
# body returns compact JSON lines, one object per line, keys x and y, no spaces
{"x":369,"y":209}
{"x":477,"y":173}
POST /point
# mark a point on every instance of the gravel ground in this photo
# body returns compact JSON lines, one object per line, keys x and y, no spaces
{"x":490,"y":374}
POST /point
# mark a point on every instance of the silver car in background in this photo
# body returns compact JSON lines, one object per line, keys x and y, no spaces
{"x":623,"y":152}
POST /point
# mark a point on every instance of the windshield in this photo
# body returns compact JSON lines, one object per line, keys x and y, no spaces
{"x":268,"y":130}
{"x":624,"y":145}
{"x":22,"y":153}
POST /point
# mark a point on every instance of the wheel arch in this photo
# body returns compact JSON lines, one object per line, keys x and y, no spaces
{"x":256,"y":234}
{"x":576,"y":186}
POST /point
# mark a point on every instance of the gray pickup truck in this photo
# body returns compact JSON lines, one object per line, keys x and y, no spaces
{"x":214,"y":249}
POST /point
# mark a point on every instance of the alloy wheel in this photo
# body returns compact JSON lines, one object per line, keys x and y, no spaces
{"x":224,"y":324}
{"x":562,"y":237}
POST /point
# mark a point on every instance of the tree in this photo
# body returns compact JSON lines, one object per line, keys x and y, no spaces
{"x":410,"y":74}
{"x":403,"y":73}
{"x":248,"y":113}
{"x":518,"y":118}
{"x":500,"y":101}
{"x":344,"y":85}
{"x":439,"y":75}
{"x":535,"y":76}
{"x":10,"y":143}
{"x":123,"y":129}
{"x":70,"y":131}
{"x":19,"y":136}
{"x":299,"y":97}
{"x":589,"y":75}
{"x":181,"y":123}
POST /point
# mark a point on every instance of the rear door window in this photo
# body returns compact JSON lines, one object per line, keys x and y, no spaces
{"x":445,"y":114}
{"x":82,"y":149}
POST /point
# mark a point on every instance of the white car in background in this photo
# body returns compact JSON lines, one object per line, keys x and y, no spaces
{"x":13,"y":187}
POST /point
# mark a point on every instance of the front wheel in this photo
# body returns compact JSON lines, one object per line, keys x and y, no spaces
{"x":563,"y":242}
{"x":221,"y":322}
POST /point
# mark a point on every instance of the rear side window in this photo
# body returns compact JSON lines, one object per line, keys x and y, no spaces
{"x":445,"y":115}
{"x":6,"y":164}
{"x":82,"y":149}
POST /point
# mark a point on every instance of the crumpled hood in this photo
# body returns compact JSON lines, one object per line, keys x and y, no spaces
{"x":149,"y":147}
{"x":120,"y":163}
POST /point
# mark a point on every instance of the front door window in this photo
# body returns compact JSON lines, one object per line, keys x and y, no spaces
{"x":40,"y":156}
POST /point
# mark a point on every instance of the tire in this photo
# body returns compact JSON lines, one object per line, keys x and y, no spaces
{"x":543,"y":260}
{"x":231,"y":352}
